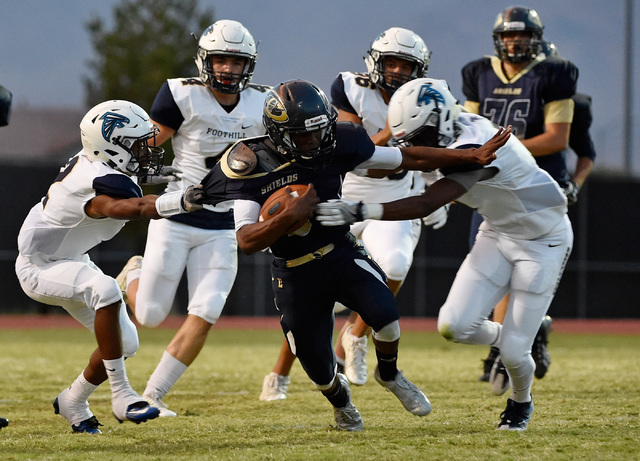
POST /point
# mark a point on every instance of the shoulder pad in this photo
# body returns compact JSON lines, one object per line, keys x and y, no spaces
{"x":241,"y":159}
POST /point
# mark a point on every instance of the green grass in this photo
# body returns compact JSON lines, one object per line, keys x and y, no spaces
{"x":587,"y":407}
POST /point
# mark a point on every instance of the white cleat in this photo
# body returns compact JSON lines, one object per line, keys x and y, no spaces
{"x":355,"y":358}
{"x":274,"y":387}
{"x":411,"y":397}
{"x":157,"y":402}
{"x":348,"y":418}
{"x":135,"y":262}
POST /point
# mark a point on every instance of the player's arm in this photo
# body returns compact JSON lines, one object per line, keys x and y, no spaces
{"x":554,"y":139}
{"x":145,"y":207}
{"x":430,"y":158}
{"x":164,"y":134}
{"x":254,"y":235}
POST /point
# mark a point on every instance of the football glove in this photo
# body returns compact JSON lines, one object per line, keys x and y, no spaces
{"x":438,"y":218}
{"x":339,"y":212}
{"x":571,"y":191}
{"x":193,"y":197}
{"x":165,"y":174}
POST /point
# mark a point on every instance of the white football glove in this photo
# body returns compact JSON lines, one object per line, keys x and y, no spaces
{"x":165,"y":174}
{"x":339,"y":212}
{"x":192,"y":198}
{"x":438,"y":218}
{"x":571,"y":191}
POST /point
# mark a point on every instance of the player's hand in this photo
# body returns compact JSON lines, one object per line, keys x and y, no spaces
{"x":438,"y":218}
{"x":339,"y":212}
{"x":486,"y":153}
{"x":165,"y":174}
{"x":193,"y":198}
{"x":571,"y":191}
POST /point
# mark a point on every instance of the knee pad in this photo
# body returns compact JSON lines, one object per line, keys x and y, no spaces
{"x":396,"y":264}
{"x":101,"y":291}
{"x":151,"y":314}
{"x":389,"y":333}
{"x":130,"y":341}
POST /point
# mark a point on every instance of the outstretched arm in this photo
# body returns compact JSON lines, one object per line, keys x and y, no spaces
{"x":430,"y":158}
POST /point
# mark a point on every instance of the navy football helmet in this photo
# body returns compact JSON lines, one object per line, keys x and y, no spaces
{"x":301,"y":123}
{"x":514,"y":19}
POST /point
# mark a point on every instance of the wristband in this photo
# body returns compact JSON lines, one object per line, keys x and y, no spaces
{"x":374,"y":210}
{"x":170,"y":204}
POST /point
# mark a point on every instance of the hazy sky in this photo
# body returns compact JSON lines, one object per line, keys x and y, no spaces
{"x":44,"y":46}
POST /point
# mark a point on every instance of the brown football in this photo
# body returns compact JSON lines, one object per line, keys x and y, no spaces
{"x":273,"y":206}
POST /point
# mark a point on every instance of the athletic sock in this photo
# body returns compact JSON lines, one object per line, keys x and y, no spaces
{"x":166,"y":374}
{"x":387,"y":366}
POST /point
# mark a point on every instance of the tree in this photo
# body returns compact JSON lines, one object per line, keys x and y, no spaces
{"x":151,"y":40}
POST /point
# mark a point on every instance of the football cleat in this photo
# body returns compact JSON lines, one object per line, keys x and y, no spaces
{"x":348,"y":418}
{"x":488,"y":364}
{"x":355,"y":358}
{"x":4,"y":422}
{"x":516,"y":416}
{"x":274,"y":387}
{"x":135,"y":262}
{"x":498,"y":378}
{"x":412,"y":398}
{"x":539,"y":350}
{"x":89,"y":426}
{"x":137,"y":413}
{"x":77,"y":413}
{"x":157,"y":402}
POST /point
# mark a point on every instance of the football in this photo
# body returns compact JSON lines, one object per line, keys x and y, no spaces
{"x":273,"y":206}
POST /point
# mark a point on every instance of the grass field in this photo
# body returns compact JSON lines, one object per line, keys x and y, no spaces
{"x":587,"y":407}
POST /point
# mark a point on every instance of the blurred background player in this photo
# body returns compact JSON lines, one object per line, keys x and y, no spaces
{"x":203,"y":116}
{"x":89,"y":202}
{"x":520,"y":87}
{"x":396,"y":56}
{"x":5,"y":114}
{"x":525,"y":213}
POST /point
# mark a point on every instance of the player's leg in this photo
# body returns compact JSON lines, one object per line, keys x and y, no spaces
{"x":211,"y":269}
{"x":362,"y":284}
{"x":391,"y":245}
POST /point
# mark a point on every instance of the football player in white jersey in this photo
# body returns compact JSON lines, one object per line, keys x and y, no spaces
{"x":89,"y":202}
{"x":202,"y":116}
{"x":396,"y":56}
{"x":522,"y":246}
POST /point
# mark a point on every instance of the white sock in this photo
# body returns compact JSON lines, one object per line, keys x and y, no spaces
{"x":521,"y":379}
{"x":82,"y":389}
{"x":166,"y":374}
{"x":117,"y":375}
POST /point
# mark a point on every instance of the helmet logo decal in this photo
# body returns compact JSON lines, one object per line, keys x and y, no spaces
{"x":275,"y":110}
{"x":428,"y":94}
{"x":111,"y":122}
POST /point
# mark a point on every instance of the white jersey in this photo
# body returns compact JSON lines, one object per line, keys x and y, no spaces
{"x":58,"y":228}
{"x":208,"y":129}
{"x":521,"y":200}
{"x":369,"y":105}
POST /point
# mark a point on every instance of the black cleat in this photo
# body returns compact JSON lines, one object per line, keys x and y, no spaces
{"x":488,"y":364}
{"x":539,"y":350}
{"x":516,"y":416}
{"x":4,"y":422}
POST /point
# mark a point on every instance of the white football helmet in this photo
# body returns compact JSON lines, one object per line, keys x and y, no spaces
{"x":226,"y":37}
{"x":400,"y":43}
{"x":423,"y":112}
{"x":117,"y":133}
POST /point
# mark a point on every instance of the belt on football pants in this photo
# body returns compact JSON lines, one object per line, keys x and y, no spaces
{"x":318,"y":254}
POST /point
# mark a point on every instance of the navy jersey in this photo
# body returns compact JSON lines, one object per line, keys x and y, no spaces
{"x":520,"y":102}
{"x":580,"y":139}
{"x":274,"y":171}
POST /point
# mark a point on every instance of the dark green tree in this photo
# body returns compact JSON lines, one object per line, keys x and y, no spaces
{"x":149,"y":41}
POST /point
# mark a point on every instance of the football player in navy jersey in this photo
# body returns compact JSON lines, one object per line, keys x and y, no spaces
{"x":521,"y":87}
{"x":89,"y":202}
{"x":311,"y":270}
{"x":522,"y":245}
{"x":396,"y":56}
{"x":202,"y":116}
